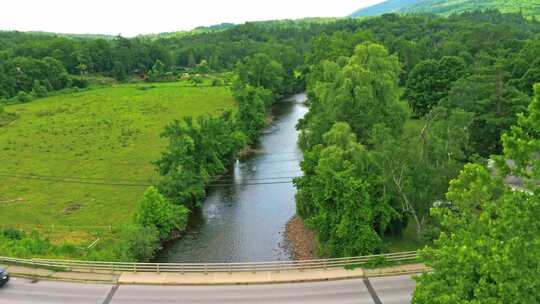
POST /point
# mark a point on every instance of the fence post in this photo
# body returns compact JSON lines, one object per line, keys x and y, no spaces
{"x":205,"y":269}
{"x":134,"y":267}
{"x":158,"y":271}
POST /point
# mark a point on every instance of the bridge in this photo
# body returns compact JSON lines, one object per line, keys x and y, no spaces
{"x":344,"y":280}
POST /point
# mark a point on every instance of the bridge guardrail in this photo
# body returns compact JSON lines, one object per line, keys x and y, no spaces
{"x":96,"y":266}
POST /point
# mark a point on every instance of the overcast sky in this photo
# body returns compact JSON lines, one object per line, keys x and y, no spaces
{"x":133,"y":17}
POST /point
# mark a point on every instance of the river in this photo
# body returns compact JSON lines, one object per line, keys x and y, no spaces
{"x":244,"y":216}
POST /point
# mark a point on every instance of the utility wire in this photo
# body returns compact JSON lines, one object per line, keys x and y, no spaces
{"x":72,"y":177}
{"x":29,"y":177}
{"x":104,"y":180}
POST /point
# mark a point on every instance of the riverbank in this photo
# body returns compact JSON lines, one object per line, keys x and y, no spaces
{"x":303,"y":240}
{"x":245,"y":212}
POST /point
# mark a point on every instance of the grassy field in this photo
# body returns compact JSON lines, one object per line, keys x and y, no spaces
{"x":61,"y":151}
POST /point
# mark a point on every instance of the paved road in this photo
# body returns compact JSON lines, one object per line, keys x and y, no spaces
{"x":390,"y":290}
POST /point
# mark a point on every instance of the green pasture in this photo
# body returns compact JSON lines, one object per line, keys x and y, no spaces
{"x":61,"y":155}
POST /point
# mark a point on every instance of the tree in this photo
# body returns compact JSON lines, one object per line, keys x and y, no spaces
{"x":157,"y":72}
{"x":430,"y":81}
{"x":252,"y":104}
{"x":155,"y":210}
{"x":489,"y":251}
{"x":119,"y":71}
{"x":202,"y":67}
{"x":430,"y":155}
{"x":260,"y":70}
{"x":494,"y":102}
{"x":138,"y":243}
{"x":338,"y":44}
{"x":422,"y":87}
{"x":361,"y":90}
{"x":196,"y":154}
{"x":82,"y":68}
{"x":54,"y":73}
{"x":530,"y":77}
{"x":191,"y":61}
{"x":522,"y":144}
{"x":336,"y":196}
{"x":38,"y":89}
{"x":409,"y":54}
{"x":7,"y":84}
{"x":26,"y":70}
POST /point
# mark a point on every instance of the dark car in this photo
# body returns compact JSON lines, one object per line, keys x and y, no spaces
{"x":4,"y":277}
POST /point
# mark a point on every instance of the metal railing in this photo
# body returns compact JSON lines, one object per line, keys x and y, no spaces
{"x":113,"y":267}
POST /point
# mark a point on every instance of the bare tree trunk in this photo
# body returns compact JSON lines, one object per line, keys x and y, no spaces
{"x":407,"y":206}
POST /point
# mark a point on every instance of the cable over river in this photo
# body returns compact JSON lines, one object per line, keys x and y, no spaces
{"x":244,"y":216}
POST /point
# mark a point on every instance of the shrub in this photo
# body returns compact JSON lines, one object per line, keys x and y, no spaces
{"x":23,"y":97}
{"x":155,"y":210}
{"x":80,"y":82}
{"x":12,"y":233}
{"x":39,"y":90}
{"x":138,"y":243}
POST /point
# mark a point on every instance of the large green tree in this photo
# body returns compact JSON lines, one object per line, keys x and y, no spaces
{"x":429,"y":155}
{"x":336,"y":197}
{"x":197,"y":152}
{"x":155,"y":210}
{"x":260,"y":70}
{"x":489,"y":251}
{"x":361,"y":90}
{"x":430,"y":81}
{"x":252,"y":105}
{"x":494,"y":102}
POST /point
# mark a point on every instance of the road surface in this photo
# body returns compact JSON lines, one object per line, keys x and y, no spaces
{"x":389,"y":290}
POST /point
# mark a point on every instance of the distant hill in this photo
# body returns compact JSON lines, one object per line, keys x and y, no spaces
{"x":446,"y":7}
{"x":388,"y":6}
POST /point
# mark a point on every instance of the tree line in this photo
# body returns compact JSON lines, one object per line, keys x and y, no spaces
{"x":420,"y":96}
{"x":32,"y":64}
{"x":406,"y":114}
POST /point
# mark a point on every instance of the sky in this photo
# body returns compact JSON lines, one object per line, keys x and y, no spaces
{"x":132,"y":17}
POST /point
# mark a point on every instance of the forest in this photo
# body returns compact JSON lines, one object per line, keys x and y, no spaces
{"x":528,"y":8}
{"x":414,"y":121}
